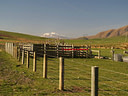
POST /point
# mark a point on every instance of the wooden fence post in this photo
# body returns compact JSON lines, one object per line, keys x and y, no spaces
{"x":44,"y":48}
{"x":99,"y":52}
{"x":61,"y":74}
{"x":15,"y":51}
{"x":57,"y":50}
{"x":82,"y":51}
{"x":11,"y":49}
{"x":94,"y":81}
{"x":19,"y":54}
{"x":112,"y":51}
{"x":72,"y":51}
{"x":90,"y":52}
{"x":34,"y":61}
{"x":45,"y":66}
{"x":87,"y":52}
{"x":27,"y":64}
{"x":22,"y":56}
{"x":6,"y":47}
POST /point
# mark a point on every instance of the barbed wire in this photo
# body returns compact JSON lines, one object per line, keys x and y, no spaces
{"x":114,"y":72}
{"x":108,"y":93}
{"x":100,"y":76}
{"x":79,"y":70}
{"x":114,"y":87}
{"x":78,"y":62}
{"x":113,"y":80}
{"x":101,"y":68}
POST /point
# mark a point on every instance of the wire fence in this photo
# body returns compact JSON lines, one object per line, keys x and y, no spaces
{"x":78,"y":76}
{"x":87,"y":72}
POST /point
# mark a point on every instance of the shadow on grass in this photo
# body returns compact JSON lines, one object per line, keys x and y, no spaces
{"x":70,"y":78}
{"x":74,"y":89}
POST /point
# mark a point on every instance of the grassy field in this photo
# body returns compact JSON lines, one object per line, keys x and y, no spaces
{"x":9,"y":35}
{"x":106,"y":41}
{"x":19,"y":37}
{"x":17,"y":80}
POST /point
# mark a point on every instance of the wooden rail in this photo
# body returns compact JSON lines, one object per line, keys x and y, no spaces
{"x":69,"y":51}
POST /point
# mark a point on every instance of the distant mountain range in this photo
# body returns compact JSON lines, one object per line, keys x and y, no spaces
{"x":105,"y":34}
{"x":54,"y":35}
{"x":111,"y":33}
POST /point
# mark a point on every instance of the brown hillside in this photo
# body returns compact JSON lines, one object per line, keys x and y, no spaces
{"x":111,"y":33}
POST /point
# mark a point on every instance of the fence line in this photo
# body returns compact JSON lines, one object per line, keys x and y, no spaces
{"x":102,"y":76}
{"x":106,"y":77}
{"x":11,"y":50}
{"x":70,"y":61}
{"x":101,"y":68}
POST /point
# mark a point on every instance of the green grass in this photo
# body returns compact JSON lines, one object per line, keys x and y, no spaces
{"x":19,"y":35}
{"x":106,"y":41}
{"x":108,"y":53}
{"x":12,"y":36}
{"x":5,"y":35}
{"x":16,"y":79}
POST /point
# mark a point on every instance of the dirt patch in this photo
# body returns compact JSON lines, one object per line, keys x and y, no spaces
{"x":3,"y":35}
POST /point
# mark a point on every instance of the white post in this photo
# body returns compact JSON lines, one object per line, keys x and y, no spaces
{"x":23,"y":56}
{"x":45,"y":66}
{"x":34,"y":61}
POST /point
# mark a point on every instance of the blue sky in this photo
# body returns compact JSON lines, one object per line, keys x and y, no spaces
{"x":72,"y":18}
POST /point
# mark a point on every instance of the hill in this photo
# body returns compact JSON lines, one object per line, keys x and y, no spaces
{"x":111,"y":33}
{"x":81,"y":38}
{"x":6,"y":36}
{"x":113,"y":41}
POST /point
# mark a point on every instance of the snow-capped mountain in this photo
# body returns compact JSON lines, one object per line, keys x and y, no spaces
{"x":53,"y":35}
